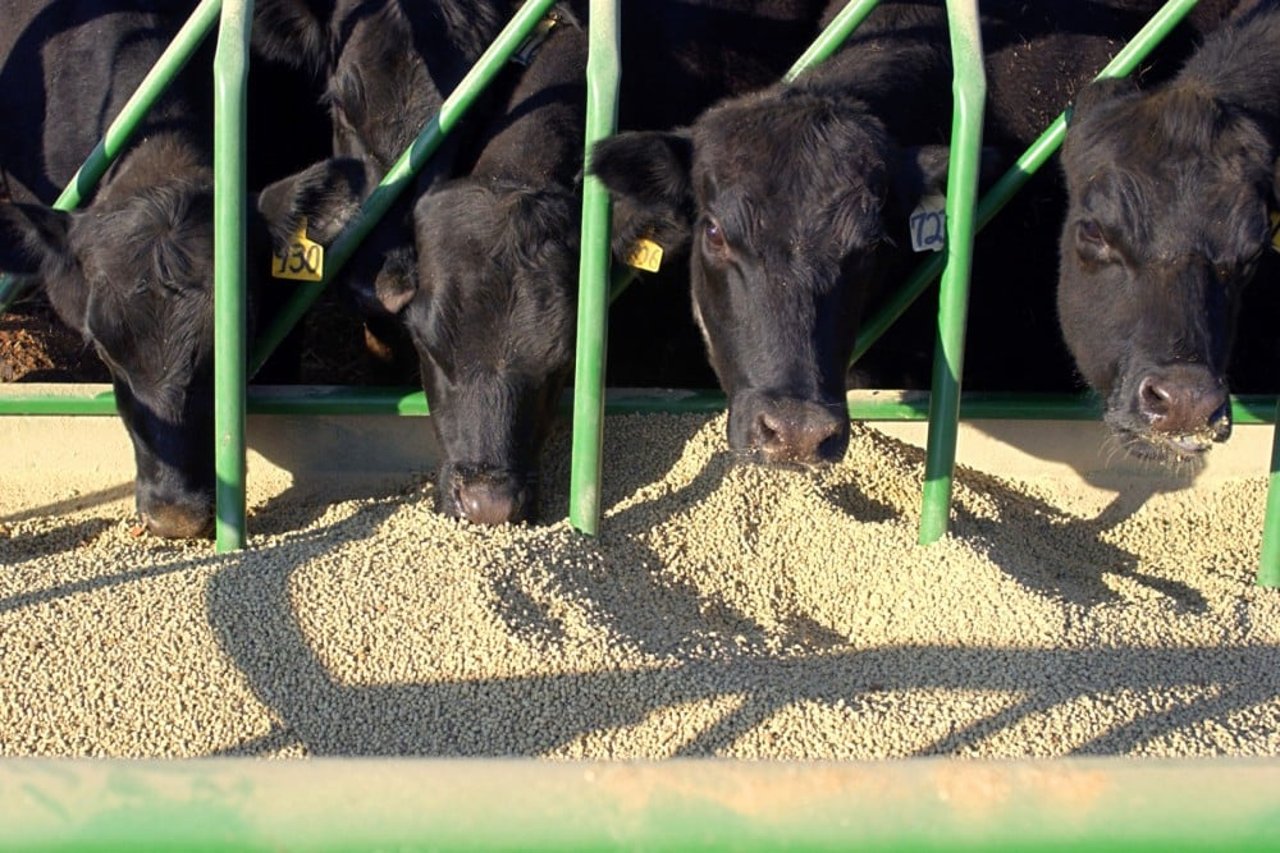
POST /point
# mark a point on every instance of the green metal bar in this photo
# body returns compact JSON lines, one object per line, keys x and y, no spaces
{"x":122,"y":128}
{"x":230,"y":88}
{"x":1124,"y":62}
{"x":1269,"y":565}
{"x":452,"y":111}
{"x":969,"y":88}
{"x":935,"y":804}
{"x":603,"y":74}
{"x":15,"y":401}
{"x":831,"y":38}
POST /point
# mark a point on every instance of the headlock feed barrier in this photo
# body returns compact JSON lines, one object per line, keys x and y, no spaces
{"x":1072,"y":804}
{"x":966,"y":214}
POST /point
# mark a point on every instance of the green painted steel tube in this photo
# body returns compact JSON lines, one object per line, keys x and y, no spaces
{"x":969,"y":96}
{"x":1124,"y":62}
{"x":1247,"y":410}
{"x":401,"y":174}
{"x":230,"y":89}
{"x":831,"y":38}
{"x":603,"y":75}
{"x":935,"y":804}
{"x":1269,"y":565}
{"x":185,"y":43}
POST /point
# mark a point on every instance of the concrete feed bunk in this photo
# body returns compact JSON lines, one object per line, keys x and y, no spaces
{"x":1082,"y":605}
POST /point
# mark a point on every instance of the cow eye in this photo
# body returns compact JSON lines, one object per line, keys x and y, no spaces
{"x":714,"y":236}
{"x":1089,"y":232}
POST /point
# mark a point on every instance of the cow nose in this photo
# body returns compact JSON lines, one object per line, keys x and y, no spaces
{"x":1185,"y":401}
{"x":173,"y":521}
{"x":799,"y":431}
{"x":486,"y":500}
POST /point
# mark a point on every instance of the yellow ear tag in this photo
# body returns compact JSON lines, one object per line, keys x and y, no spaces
{"x":300,"y":259}
{"x":644,"y":255}
{"x":1275,"y":230}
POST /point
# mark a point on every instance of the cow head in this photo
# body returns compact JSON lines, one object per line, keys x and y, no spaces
{"x":790,"y":203}
{"x":134,"y":275}
{"x":492,"y":316}
{"x":1170,"y":195}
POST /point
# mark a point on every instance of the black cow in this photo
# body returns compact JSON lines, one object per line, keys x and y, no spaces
{"x":493,"y":313}
{"x":1171,"y":193}
{"x":795,"y":200}
{"x":133,"y":270}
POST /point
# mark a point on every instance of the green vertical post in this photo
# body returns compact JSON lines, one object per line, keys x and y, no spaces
{"x":401,"y":173}
{"x":1269,"y":569}
{"x":603,"y":72}
{"x":1123,"y":64}
{"x":969,"y":88}
{"x":831,"y":38}
{"x":121,"y":129}
{"x":230,"y":86}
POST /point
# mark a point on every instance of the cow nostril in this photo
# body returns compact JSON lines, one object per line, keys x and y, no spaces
{"x":768,"y":431}
{"x":1154,"y":399}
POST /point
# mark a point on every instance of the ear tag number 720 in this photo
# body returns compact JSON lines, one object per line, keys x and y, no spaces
{"x":928,"y":225}
{"x":299,"y":259}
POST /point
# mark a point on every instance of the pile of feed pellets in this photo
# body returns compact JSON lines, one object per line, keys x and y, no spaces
{"x":725,"y":610}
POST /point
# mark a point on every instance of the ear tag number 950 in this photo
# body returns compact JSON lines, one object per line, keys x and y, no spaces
{"x":644,"y":255}
{"x":929,"y":225}
{"x":299,"y":259}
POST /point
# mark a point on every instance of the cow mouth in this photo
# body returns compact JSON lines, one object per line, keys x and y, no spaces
{"x":1190,"y":448}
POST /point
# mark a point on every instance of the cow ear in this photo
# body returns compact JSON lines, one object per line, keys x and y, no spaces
{"x":293,"y":32}
{"x":648,"y":173}
{"x":1099,"y":92}
{"x":922,"y":172}
{"x":396,"y":283}
{"x":36,"y":240}
{"x":327,"y":195}
{"x":33,"y":238}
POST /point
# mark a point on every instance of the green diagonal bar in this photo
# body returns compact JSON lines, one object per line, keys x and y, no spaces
{"x":121,"y":129}
{"x":603,"y":73}
{"x":969,"y":95}
{"x":230,"y":89}
{"x":398,"y":178}
{"x":832,"y":37}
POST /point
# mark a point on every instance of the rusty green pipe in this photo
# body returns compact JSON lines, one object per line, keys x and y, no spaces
{"x":929,"y":804}
{"x":185,"y":43}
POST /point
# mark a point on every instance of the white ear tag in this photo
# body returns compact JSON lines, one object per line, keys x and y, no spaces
{"x":928,"y":224}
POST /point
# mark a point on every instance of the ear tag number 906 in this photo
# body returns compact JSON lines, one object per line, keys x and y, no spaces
{"x":644,"y":254}
{"x":299,"y":259}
